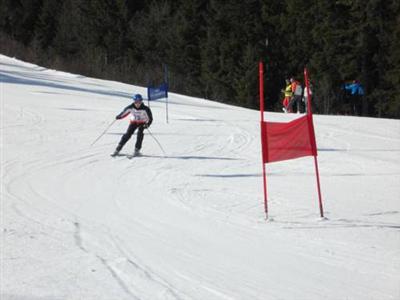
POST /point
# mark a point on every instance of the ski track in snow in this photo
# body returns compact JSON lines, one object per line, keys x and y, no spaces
{"x":78,"y":224}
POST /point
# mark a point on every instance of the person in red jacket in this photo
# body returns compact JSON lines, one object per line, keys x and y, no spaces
{"x":297,"y":91}
{"x":140,"y":118}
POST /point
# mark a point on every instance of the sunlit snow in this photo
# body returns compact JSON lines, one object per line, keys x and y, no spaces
{"x":190,"y":224}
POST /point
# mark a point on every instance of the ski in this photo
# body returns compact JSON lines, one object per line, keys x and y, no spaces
{"x":130,"y":156}
{"x":113,"y":155}
{"x":134,"y":155}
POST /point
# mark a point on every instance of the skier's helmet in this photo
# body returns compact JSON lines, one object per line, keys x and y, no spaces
{"x":137,"y":98}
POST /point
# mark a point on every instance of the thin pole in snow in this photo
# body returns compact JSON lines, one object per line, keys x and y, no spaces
{"x":156,"y":141}
{"x":166,"y":83}
{"x":321,"y":209}
{"x":262,"y":124}
{"x":104,"y":132}
{"x":309,"y":113}
{"x":166,"y":108}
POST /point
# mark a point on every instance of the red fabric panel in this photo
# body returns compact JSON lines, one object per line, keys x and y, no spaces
{"x":282,"y":141}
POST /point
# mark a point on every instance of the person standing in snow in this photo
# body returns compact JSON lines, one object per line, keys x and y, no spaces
{"x":287,"y":95}
{"x":356,"y":91}
{"x":140,"y":118}
{"x":297,"y":90}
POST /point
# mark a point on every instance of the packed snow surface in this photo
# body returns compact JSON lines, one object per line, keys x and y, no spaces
{"x":188,"y":223}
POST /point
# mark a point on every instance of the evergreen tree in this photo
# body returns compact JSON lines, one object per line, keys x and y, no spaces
{"x":226,"y":58}
{"x":18,"y":18}
{"x":329,"y":64}
{"x":184,"y":54}
{"x":150,"y":36}
{"x":69,"y":41}
{"x":387,"y":96}
{"x":47,"y":24}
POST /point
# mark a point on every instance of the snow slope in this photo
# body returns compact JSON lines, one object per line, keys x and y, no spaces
{"x":78,"y":224}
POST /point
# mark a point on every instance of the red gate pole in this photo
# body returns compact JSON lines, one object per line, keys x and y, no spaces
{"x":321,"y":209}
{"x":261,"y":83}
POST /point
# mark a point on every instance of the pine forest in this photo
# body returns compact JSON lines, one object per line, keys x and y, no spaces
{"x":212,"y":47}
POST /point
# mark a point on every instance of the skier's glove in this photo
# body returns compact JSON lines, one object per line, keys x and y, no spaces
{"x":117,"y":117}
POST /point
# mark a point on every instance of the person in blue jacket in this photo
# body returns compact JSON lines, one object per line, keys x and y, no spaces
{"x":355,"y":88}
{"x":141,"y":117}
{"x":355,"y":91}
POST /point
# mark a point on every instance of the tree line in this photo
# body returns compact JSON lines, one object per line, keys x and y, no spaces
{"x":212,"y":47}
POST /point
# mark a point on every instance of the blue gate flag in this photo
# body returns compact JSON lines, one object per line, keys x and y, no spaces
{"x":154,"y":93}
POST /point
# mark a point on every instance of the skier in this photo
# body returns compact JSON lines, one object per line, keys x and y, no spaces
{"x":140,"y":118}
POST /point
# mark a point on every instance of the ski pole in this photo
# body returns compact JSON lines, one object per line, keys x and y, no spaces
{"x":156,"y":141}
{"x":104,"y":132}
